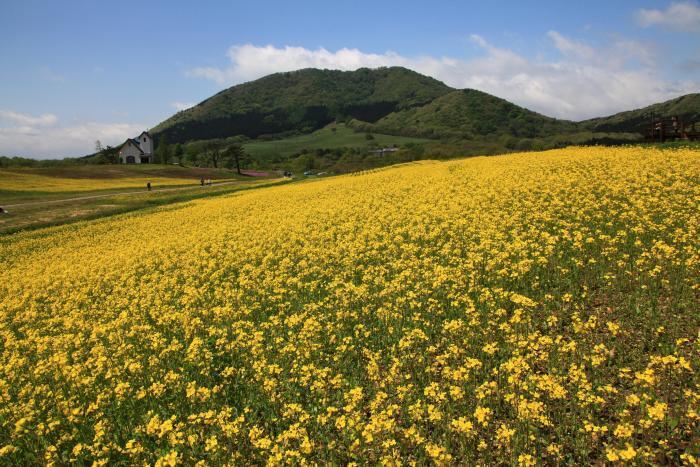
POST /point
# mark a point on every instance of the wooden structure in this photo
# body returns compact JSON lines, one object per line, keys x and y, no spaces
{"x":662,"y":129}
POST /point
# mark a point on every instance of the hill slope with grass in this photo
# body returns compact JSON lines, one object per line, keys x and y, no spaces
{"x":636,"y":121}
{"x":468,"y":114}
{"x":336,"y":136}
{"x":301,"y":101}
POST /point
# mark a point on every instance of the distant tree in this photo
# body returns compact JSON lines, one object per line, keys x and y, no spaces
{"x":100,"y":159}
{"x":212,"y":155}
{"x":369,"y":136}
{"x":304,"y":162}
{"x":508,"y":141}
{"x":98,"y":146}
{"x":190,"y":156}
{"x":112,"y":154}
{"x":235,"y":155}
{"x":523,"y":145}
{"x":178,"y":152}
{"x":162,"y":151}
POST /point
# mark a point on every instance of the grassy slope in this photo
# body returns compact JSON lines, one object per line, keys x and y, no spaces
{"x":33,"y":216}
{"x":47,"y":182}
{"x":343,"y":137}
{"x":687,"y":107}
{"x":125,"y":171}
{"x":469,"y":113}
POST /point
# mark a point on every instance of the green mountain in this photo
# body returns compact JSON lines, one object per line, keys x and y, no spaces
{"x":391,"y":101}
{"x":468,"y":114}
{"x":301,"y":101}
{"x":687,"y":108}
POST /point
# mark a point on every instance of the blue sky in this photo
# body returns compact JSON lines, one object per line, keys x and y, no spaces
{"x":72,"y":72}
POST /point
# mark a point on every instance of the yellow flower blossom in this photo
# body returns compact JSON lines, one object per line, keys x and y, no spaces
{"x":623,"y":431}
{"x":482,"y":415}
{"x":657,"y":411}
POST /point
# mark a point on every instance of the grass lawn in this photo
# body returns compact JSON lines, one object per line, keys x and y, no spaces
{"x":121,"y":171}
{"x":46,"y":183}
{"x":37,"y":214}
{"x":342,"y":137}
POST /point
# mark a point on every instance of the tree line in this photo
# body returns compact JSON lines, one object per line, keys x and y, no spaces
{"x":201,"y":154}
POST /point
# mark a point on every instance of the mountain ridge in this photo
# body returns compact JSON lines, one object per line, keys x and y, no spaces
{"x":302,"y":101}
{"x":393,"y":100}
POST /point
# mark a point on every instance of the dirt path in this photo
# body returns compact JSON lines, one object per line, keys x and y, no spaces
{"x":105,"y":195}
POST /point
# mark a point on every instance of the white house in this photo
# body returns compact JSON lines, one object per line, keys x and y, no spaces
{"x":137,"y":150}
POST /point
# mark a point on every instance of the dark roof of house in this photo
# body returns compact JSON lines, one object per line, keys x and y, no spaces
{"x":133,"y":142}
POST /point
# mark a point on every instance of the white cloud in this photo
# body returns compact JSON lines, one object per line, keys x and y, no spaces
{"x":8,"y":116}
{"x":586,"y":82}
{"x":250,"y":61}
{"x":570,"y":47}
{"x":681,"y":16}
{"x":624,"y":50}
{"x":177,"y":105}
{"x":43,"y":136}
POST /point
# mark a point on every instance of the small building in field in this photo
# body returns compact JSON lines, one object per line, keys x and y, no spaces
{"x":382,"y":151}
{"x":137,"y":150}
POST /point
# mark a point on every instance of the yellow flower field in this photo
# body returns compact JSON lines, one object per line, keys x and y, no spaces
{"x":522,"y":309}
{"x":18,"y":181}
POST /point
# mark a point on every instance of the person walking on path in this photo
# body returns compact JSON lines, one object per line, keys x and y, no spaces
{"x":148,"y":186}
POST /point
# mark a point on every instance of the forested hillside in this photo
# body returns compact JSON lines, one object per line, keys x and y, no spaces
{"x":300,"y":102}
